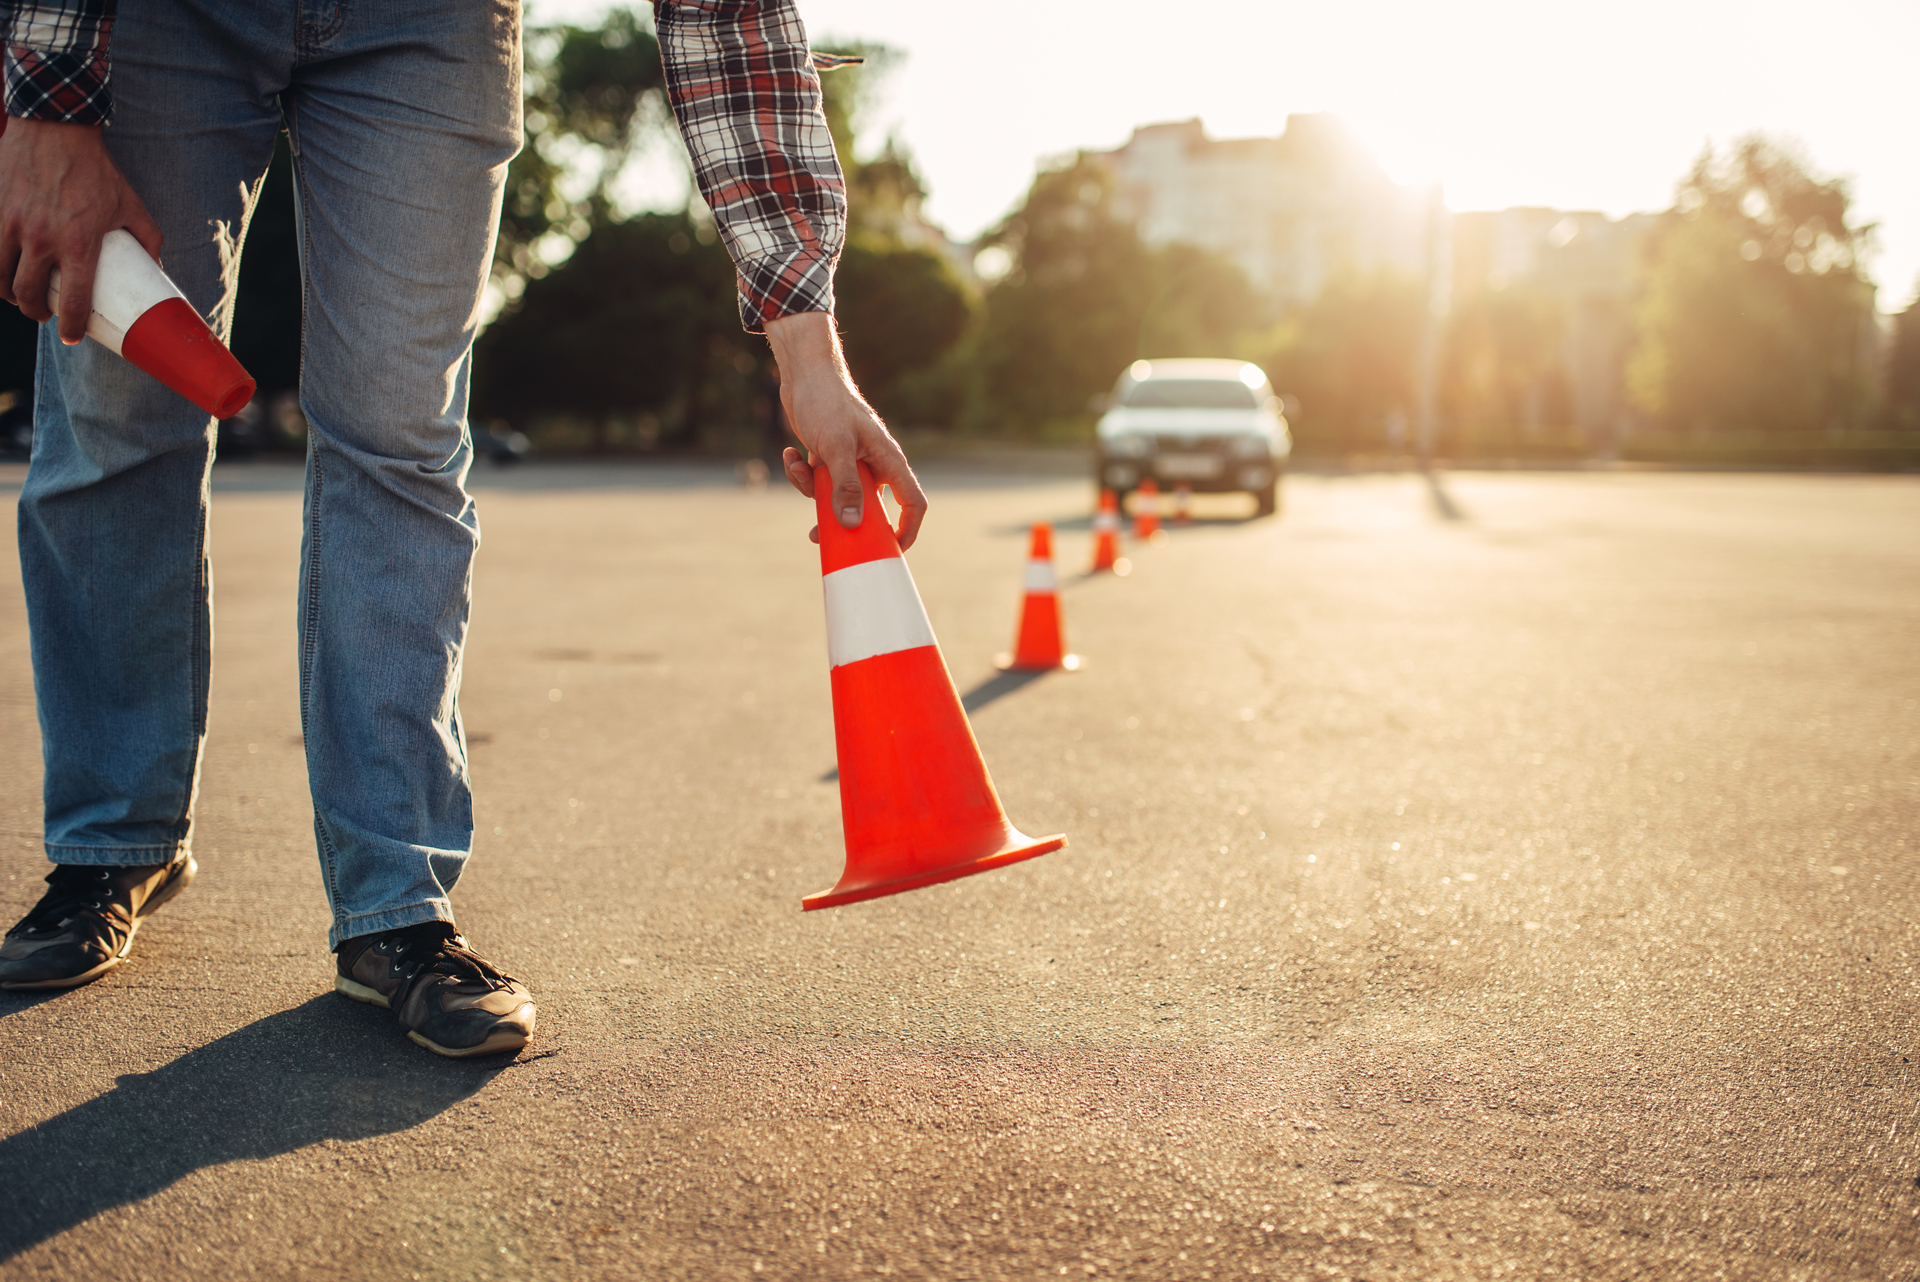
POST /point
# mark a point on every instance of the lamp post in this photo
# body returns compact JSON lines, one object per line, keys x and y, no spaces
{"x":1439,"y":302}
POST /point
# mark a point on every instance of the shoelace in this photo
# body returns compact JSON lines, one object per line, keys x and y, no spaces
{"x":72,"y":889}
{"x":439,"y":951}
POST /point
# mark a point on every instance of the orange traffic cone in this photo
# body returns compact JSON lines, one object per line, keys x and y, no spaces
{"x":1106,"y":536}
{"x":1182,"y":504}
{"x":916,"y":804}
{"x":1146,"y":515}
{"x":141,"y":315}
{"x":1042,"y":642}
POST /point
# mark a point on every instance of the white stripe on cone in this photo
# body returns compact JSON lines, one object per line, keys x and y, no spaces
{"x":873,"y":608}
{"x":126,"y":286}
{"x":1040,"y":577}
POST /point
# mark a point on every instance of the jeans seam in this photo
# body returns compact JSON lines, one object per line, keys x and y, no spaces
{"x":74,"y":845}
{"x":350,"y":918}
{"x":329,"y":858}
{"x":309,"y":36}
{"x":198,"y":714}
{"x":309,"y":643}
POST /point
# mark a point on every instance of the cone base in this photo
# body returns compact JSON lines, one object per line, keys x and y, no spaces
{"x":1007,"y":663}
{"x":1019,"y":846}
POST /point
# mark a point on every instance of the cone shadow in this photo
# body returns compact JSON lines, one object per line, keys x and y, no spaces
{"x":997,"y":686}
{"x":323,"y":1070}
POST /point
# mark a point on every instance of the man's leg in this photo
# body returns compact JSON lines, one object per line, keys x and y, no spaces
{"x":112,"y":519}
{"x":402,"y":124}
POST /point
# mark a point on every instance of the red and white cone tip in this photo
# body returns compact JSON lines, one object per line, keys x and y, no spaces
{"x":139,"y":314}
{"x":1040,"y":644}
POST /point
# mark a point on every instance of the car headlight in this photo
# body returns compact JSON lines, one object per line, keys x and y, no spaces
{"x":1251,"y":447}
{"x":1129,"y":445}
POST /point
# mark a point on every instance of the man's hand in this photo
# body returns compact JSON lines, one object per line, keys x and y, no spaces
{"x":838,"y":427}
{"x":59,"y":194}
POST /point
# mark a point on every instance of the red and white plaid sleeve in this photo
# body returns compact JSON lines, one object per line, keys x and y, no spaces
{"x":744,"y":90}
{"x":56,"y":60}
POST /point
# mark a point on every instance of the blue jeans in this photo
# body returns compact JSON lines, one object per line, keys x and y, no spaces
{"x":402,"y":118}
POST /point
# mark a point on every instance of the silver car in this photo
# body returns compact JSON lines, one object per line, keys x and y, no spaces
{"x":1214,"y":425}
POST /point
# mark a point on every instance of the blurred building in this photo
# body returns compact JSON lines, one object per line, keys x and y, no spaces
{"x":1586,"y":263}
{"x":1291,"y":211}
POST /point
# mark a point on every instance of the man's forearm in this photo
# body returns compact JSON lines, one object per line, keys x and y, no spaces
{"x":806,"y":345}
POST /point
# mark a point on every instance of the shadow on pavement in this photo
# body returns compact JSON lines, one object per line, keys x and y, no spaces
{"x":997,"y":686}
{"x":1442,"y":501}
{"x":324,"y":1070}
{"x":23,"y":1000}
{"x":1085,"y":522}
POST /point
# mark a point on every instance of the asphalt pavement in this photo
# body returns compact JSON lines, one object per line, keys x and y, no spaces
{"x":1509,"y":878}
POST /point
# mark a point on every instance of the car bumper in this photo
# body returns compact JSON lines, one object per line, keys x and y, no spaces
{"x":1201,"y":473}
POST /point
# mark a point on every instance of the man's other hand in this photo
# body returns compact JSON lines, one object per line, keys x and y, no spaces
{"x":59,"y":194}
{"x":837,"y":426}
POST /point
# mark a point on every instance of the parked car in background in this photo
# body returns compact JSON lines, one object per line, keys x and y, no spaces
{"x":1214,"y":425}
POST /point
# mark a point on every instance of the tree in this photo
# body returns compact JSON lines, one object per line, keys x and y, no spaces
{"x":591,"y":94}
{"x":1903,"y":370}
{"x":640,"y":319}
{"x":899,"y":310}
{"x":1753,"y":313}
{"x":1348,"y":357}
{"x":900,"y":304}
{"x":1502,"y":366}
{"x":1085,"y":297}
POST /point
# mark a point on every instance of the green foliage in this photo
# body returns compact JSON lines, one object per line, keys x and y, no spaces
{"x":847,"y":95}
{"x":901,"y":307}
{"x":1502,"y":371}
{"x":900,"y":310}
{"x":1753,"y":310}
{"x":640,"y":320}
{"x":1348,"y":358}
{"x":1903,"y":371}
{"x":587,"y":92}
{"x":1085,"y":297}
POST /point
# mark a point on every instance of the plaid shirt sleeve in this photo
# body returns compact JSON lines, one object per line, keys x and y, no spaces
{"x":56,"y":60}
{"x":744,"y":90}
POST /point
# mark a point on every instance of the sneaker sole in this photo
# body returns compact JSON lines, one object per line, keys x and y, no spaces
{"x":360,"y":992}
{"x":505,"y":1040}
{"x":171,"y":890}
{"x":72,"y":981}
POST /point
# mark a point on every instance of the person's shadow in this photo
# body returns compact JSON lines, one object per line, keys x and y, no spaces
{"x":324,"y":1070}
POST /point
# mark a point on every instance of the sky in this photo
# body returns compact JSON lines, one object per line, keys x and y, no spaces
{"x":1599,"y":106}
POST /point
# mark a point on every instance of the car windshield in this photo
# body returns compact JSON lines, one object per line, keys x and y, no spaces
{"x":1191,"y":394}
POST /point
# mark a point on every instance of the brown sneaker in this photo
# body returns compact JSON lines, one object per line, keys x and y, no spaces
{"x":84,"y":925}
{"x":448,"y":998}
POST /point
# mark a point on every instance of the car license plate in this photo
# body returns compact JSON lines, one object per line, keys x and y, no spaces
{"x":1195,"y":465}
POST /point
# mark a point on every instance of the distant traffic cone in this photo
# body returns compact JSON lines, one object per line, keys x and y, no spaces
{"x":1182,"y":504}
{"x":1146,"y":513}
{"x":1106,"y":536}
{"x":140,"y":314}
{"x":1042,"y":643}
{"x":916,"y":804}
